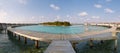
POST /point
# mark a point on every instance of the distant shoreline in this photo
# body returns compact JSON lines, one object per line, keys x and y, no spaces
{"x":56,"y":23}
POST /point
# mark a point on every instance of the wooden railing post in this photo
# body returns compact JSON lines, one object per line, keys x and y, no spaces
{"x":37,"y":44}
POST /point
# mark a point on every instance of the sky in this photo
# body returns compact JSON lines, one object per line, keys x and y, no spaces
{"x":74,"y":11}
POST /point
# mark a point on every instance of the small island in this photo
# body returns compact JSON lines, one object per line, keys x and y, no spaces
{"x":57,"y":23}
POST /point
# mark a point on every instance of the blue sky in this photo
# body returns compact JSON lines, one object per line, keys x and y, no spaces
{"x":74,"y":11}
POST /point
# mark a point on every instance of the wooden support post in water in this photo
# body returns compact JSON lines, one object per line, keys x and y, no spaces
{"x":115,"y":37}
{"x":15,"y":35}
{"x":91,"y":43}
{"x":115,"y":47}
{"x":25,"y":40}
{"x":36,"y":44}
{"x":101,"y":41}
{"x":18,"y":37}
{"x":7,"y":32}
{"x":74,"y":44}
{"x":11,"y":33}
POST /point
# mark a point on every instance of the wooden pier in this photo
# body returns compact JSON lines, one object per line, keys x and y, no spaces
{"x":64,"y":43}
{"x":61,"y":46}
{"x":4,"y":26}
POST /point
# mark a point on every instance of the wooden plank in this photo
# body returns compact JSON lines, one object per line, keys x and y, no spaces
{"x":61,"y":46}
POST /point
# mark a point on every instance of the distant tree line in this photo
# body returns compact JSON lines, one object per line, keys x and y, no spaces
{"x":57,"y":23}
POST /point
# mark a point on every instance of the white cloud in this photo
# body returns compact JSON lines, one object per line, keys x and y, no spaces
{"x":3,"y":14}
{"x":108,"y":10}
{"x":98,"y":6}
{"x":22,"y":1}
{"x":83,"y":14}
{"x":108,"y":0}
{"x":96,"y":17}
{"x":54,"y":7}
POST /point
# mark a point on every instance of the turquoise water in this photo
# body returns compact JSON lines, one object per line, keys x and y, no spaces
{"x":74,"y":29}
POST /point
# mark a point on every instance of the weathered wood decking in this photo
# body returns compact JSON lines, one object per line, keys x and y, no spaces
{"x":61,"y":42}
{"x":44,"y":36}
{"x":61,"y":46}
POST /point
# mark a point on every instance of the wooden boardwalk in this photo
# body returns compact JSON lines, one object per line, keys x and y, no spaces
{"x":44,"y":36}
{"x":61,"y":42}
{"x":61,"y":46}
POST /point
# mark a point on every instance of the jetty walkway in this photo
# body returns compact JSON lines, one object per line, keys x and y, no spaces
{"x":4,"y":26}
{"x":61,"y":46}
{"x":64,"y":43}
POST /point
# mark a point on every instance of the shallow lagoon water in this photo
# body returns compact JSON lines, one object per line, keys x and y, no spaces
{"x":74,"y":29}
{"x":13,"y":45}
